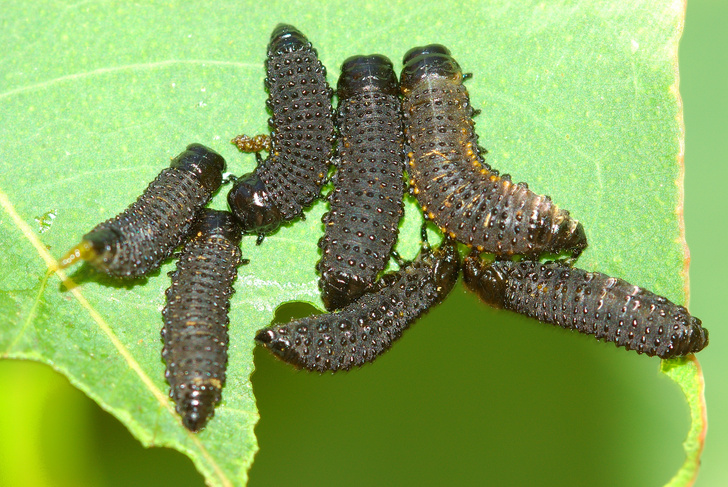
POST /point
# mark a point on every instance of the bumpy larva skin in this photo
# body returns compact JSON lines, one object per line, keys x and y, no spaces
{"x":592,"y":303}
{"x":456,"y":189}
{"x":196,"y":316}
{"x":366,"y":203}
{"x":367,"y":328}
{"x":291,"y":177}
{"x":135,"y":242}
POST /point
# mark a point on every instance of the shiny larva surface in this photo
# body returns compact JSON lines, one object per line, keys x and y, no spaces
{"x":135,"y":242}
{"x":362,"y":224}
{"x":291,"y":177}
{"x":592,"y":303}
{"x":196,"y":317}
{"x":367,"y":328}
{"x":455,"y":187}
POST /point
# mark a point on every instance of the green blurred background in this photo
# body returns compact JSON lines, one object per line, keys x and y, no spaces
{"x":470,"y":428}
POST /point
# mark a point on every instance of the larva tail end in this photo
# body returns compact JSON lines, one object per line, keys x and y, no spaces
{"x":83,"y":251}
{"x":272,"y":341}
{"x":487,"y":281}
{"x":197,"y":405}
{"x":579,"y":239}
{"x":338,"y":289}
{"x":194,"y":422}
{"x":568,"y":235}
{"x":279,"y":344}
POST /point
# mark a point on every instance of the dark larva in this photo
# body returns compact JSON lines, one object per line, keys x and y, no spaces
{"x":452,"y":183}
{"x":367,"y":328}
{"x":196,"y":316}
{"x":136,"y":241}
{"x":589,"y":302}
{"x":290,"y":179}
{"x":366,"y":203}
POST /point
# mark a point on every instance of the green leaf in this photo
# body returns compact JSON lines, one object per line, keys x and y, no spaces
{"x":579,"y":99}
{"x":687,"y":374}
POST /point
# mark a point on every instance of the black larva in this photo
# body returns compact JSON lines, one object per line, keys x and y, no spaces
{"x":366,"y":328}
{"x":454,"y":186}
{"x":361,"y":226}
{"x":592,"y":303}
{"x":136,"y":241}
{"x":291,"y":177}
{"x":196,"y":316}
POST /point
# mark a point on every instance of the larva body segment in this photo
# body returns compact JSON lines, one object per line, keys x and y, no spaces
{"x":367,"y":328}
{"x":455,"y":187}
{"x":592,"y":303}
{"x":135,"y":242}
{"x":196,"y":316}
{"x":291,"y":177}
{"x":361,"y":226}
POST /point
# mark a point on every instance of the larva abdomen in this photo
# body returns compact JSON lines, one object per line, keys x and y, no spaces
{"x":196,"y":316}
{"x":361,"y":226}
{"x":291,"y":177}
{"x":592,"y":303}
{"x":367,"y":328}
{"x":135,"y":242}
{"x":456,"y":189}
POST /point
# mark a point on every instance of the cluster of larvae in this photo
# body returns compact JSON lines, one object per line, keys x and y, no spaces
{"x":421,"y":122}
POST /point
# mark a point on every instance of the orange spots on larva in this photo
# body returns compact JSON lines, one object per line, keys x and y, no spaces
{"x":440,"y":132}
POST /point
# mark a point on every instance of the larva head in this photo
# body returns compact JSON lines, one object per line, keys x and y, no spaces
{"x":487,"y":281}
{"x":286,"y":38}
{"x":428,"y":50}
{"x":338,"y":289}
{"x":567,"y":235}
{"x":206,"y":163}
{"x":218,"y":223}
{"x":251,"y":205}
{"x":425,"y":61}
{"x":446,"y":266}
{"x":278,"y":342}
{"x":373,"y":73}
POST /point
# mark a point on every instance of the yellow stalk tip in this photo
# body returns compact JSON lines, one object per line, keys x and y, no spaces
{"x":84,"y":250}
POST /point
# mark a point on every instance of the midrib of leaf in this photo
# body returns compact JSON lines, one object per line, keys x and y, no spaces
{"x":33,"y":309}
{"x":51,"y":263}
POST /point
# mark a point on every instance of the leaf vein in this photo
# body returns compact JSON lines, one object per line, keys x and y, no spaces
{"x":52,"y":265}
{"x":31,"y":313}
